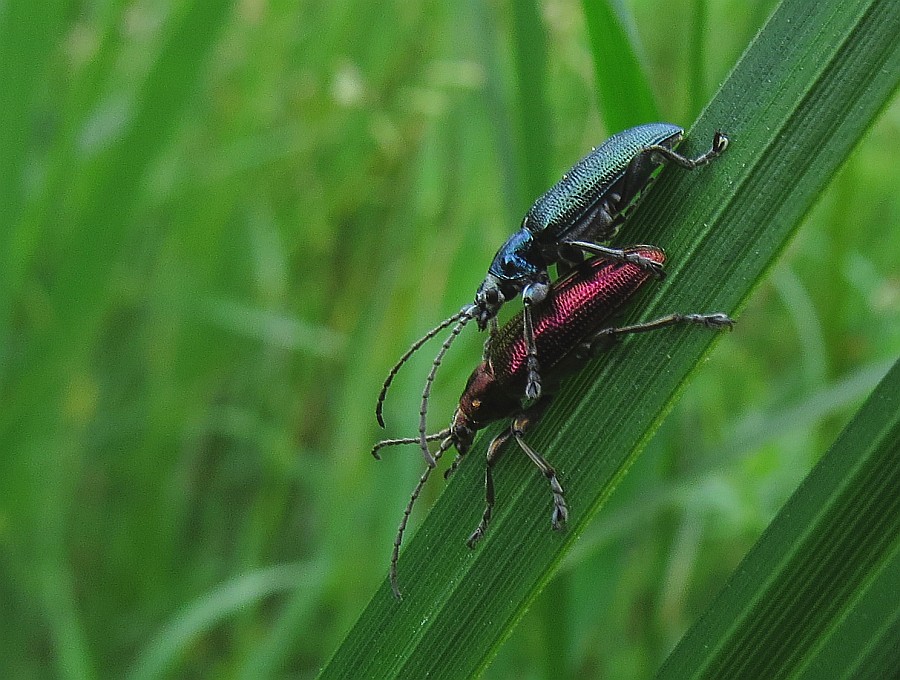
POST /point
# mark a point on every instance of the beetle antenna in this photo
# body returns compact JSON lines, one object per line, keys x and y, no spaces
{"x":407,"y":440}
{"x":466,"y":311}
{"x":423,"y":410}
{"x":395,"y":554}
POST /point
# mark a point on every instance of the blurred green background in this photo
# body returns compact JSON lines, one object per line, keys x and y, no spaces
{"x":221,"y":223}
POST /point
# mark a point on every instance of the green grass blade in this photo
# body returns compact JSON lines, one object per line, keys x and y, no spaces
{"x":77,"y":235}
{"x":203,"y":615}
{"x":801,"y":97}
{"x":696,"y":72}
{"x":758,"y":430}
{"x":517,"y":101}
{"x":27,"y":34}
{"x":530,"y":100}
{"x":624,"y":93}
{"x":816,"y":597}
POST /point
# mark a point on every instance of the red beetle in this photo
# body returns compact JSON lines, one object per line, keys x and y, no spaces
{"x":570,"y":326}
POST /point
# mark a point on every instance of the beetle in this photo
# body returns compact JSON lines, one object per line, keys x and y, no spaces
{"x":573,"y":217}
{"x":569,"y":327}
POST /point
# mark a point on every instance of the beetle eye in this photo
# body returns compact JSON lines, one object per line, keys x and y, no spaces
{"x":489,"y":295}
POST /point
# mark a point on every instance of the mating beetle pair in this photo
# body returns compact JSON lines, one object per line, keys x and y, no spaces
{"x":562,"y":323}
{"x":570,"y":326}
{"x":573,"y":217}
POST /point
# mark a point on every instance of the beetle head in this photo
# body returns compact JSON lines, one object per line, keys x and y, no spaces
{"x":518,"y":263}
{"x":484,"y":401}
{"x":488,"y":300}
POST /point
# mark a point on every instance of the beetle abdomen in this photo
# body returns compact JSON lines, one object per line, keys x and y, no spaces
{"x":577,"y":306}
{"x":568,"y":201}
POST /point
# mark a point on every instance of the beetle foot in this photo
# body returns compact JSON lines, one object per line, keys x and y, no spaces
{"x":450,"y":470}
{"x":560,"y":510}
{"x":652,"y":266}
{"x":480,"y":530}
{"x":719,"y":143}
{"x":560,"y":517}
{"x":533,"y":387}
{"x":714,"y":321}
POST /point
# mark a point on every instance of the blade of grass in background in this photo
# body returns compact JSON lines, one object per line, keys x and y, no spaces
{"x":529,"y":42}
{"x":817,"y":596}
{"x":90,"y":226}
{"x":624,"y":94}
{"x":696,"y":71}
{"x":496,"y":100}
{"x":27,"y":34}
{"x":801,"y":97}
{"x":517,"y":103}
{"x":200,"y":616}
{"x":530,"y":45}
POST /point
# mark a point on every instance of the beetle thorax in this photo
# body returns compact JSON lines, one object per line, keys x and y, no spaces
{"x":475,"y":401}
{"x":484,"y":401}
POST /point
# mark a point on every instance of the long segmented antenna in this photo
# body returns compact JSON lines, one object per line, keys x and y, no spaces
{"x":423,"y":410}
{"x":395,"y":553}
{"x":407,"y":440}
{"x":468,"y":310}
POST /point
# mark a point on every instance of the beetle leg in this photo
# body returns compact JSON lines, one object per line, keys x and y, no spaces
{"x":533,"y":386}
{"x":515,"y":430}
{"x":606,"y":220}
{"x":603,"y":337}
{"x":495,"y":448}
{"x":719,"y":144}
{"x":599,"y":223}
{"x":493,"y":455}
{"x":533,"y":294}
{"x":560,"y":510}
{"x":651,"y":266}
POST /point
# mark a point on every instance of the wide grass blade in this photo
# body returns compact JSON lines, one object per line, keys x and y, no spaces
{"x":817,"y":596}
{"x":794,"y":107}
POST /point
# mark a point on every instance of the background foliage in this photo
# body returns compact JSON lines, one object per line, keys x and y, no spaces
{"x":222,"y":222}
